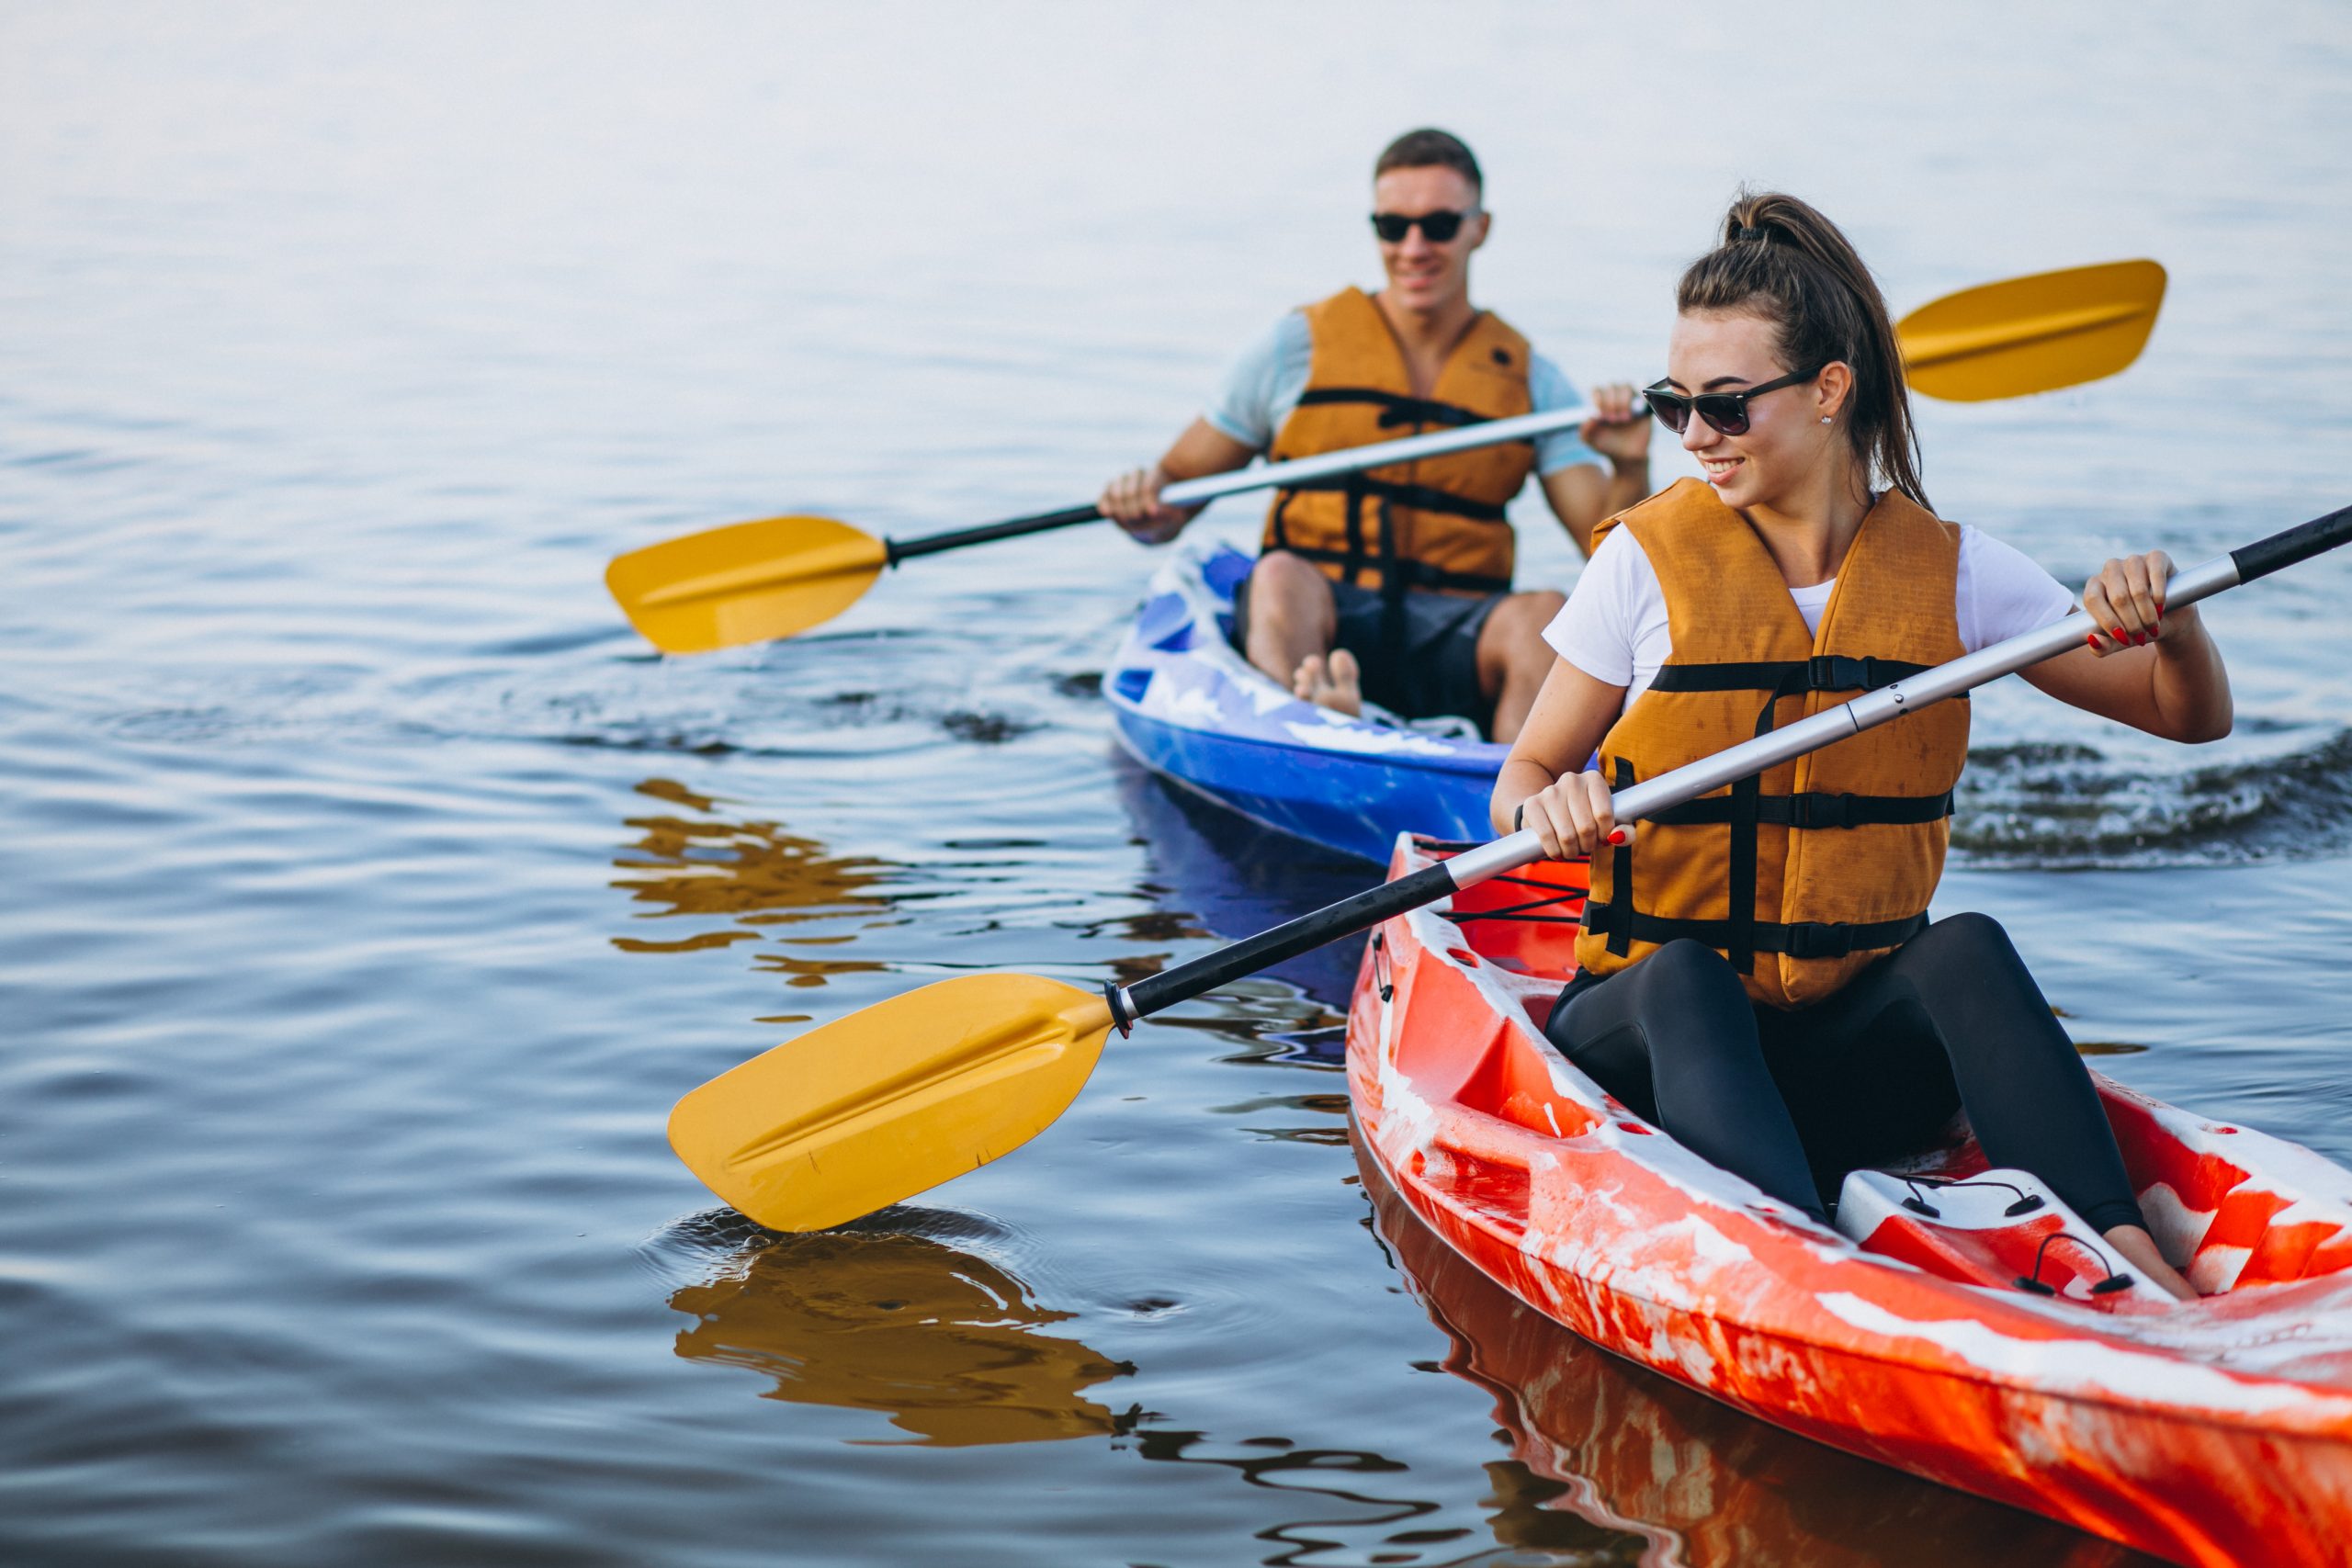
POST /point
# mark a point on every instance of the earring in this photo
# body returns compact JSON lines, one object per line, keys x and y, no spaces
{"x":1825,"y":419}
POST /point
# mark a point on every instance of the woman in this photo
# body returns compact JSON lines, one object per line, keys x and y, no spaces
{"x":1757,"y":973}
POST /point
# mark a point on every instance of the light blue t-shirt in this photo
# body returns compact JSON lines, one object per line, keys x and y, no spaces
{"x":1265,"y":385}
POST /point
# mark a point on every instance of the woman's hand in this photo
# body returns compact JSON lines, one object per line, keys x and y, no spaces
{"x":1574,"y":816}
{"x":1132,"y":501}
{"x":2127,"y":600}
{"x":1617,"y":435}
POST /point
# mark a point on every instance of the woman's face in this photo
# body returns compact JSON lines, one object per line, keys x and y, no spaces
{"x":1786,"y":443}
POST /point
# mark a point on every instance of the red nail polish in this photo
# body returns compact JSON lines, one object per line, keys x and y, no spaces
{"x":2123,"y":636}
{"x":1617,"y":835}
{"x":2090,"y":640}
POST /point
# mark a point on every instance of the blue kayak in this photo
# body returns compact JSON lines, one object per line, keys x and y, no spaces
{"x":1190,"y":707}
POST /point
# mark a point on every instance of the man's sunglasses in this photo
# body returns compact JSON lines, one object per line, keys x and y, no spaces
{"x":1725,"y":411}
{"x":1440,"y":226}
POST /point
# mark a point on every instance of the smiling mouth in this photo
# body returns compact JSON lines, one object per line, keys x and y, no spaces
{"x":1720,"y":468}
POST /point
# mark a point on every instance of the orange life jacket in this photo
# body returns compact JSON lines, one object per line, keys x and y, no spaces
{"x":1804,"y":874}
{"x":1435,"y":524}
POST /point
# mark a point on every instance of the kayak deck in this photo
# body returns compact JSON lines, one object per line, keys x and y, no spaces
{"x":2211,"y":1432}
{"x":1189,"y":708}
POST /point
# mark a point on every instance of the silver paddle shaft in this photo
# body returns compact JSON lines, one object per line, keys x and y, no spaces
{"x":1348,"y":460}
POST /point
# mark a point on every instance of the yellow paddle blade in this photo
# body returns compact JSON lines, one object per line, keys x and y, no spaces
{"x":2031,"y":334}
{"x":879,"y":1106}
{"x":745,"y":582}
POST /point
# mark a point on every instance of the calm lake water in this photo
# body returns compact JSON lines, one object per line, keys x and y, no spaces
{"x":371,"y":891}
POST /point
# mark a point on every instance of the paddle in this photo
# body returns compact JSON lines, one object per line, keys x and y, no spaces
{"x":2038,"y":333}
{"x":876,"y":1107}
{"x":779,"y":576}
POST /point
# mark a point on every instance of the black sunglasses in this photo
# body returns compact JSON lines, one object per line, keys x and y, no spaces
{"x":1725,"y":411}
{"x":1440,"y":226}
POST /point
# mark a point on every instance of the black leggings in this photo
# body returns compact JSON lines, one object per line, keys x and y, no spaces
{"x":1794,"y":1100}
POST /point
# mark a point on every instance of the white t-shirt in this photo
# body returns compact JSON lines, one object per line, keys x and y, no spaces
{"x":1614,"y":627}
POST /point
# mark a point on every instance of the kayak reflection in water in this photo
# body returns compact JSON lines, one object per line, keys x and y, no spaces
{"x":1614,"y":1463}
{"x":1394,"y":586}
{"x":1757,"y":974}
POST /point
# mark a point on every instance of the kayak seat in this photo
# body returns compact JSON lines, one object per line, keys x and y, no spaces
{"x":2003,"y":1230}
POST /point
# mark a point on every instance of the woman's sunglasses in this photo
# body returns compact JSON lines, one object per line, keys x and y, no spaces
{"x":1440,"y":226}
{"x":1725,"y":411}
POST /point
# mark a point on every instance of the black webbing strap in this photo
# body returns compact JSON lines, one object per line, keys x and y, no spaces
{"x":1798,"y":939}
{"x":1391,"y":584}
{"x":1744,"y":807}
{"x":1420,"y":498}
{"x":1814,"y":810}
{"x":1408,"y":573}
{"x":1421,"y":574}
{"x":1395,"y":409}
{"x":1621,"y":865}
{"x":1786,"y":677}
{"x":1352,"y":566}
{"x":1746,"y":811}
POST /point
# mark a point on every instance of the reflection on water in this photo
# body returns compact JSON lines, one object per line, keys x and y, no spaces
{"x":753,"y":875}
{"x":890,"y":1314}
{"x":1601,"y":1448}
{"x":877,"y":1316}
{"x":343,"y":344}
{"x":1217,"y":873}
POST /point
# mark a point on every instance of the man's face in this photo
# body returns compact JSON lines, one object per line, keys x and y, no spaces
{"x":1423,"y":274}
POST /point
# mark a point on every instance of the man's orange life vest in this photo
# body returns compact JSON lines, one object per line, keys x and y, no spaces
{"x":1804,"y":874}
{"x":1437,"y":524}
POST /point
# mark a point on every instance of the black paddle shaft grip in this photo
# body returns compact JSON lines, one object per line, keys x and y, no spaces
{"x":2301,"y":542}
{"x":897,"y":550}
{"x":1288,"y":940}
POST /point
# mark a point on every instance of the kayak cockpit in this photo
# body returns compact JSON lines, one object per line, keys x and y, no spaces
{"x":2231,"y":1207}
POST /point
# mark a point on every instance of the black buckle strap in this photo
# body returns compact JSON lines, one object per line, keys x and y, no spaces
{"x":1796,"y":939}
{"x":1810,"y":811}
{"x":1786,"y":677}
{"x":1397,"y":407}
{"x":1816,"y":938}
{"x":1410,"y":573}
{"x":1352,"y":566}
{"x":1621,"y":865}
{"x":1837,"y":672}
{"x":1421,"y":574}
{"x":1420,"y":498}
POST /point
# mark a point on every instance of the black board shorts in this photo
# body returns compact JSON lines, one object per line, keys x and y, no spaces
{"x":1428,"y":667}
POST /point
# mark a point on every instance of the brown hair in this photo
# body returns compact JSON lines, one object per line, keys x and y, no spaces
{"x":1431,"y":149}
{"x":1782,"y":260}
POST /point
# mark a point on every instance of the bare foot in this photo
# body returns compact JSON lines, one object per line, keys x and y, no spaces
{"x":2139,"y":1248}
{"x":1330,"y":684}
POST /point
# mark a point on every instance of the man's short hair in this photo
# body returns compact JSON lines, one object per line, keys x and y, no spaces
{"x":1431,"y":149}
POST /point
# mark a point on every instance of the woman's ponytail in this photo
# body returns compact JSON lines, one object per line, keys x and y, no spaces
{"x":1782,"y":260}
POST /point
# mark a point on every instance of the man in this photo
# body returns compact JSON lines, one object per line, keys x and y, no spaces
{"x":1395,"y":585}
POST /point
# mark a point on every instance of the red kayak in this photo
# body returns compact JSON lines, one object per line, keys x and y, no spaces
{"x":1959,"y":1323}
